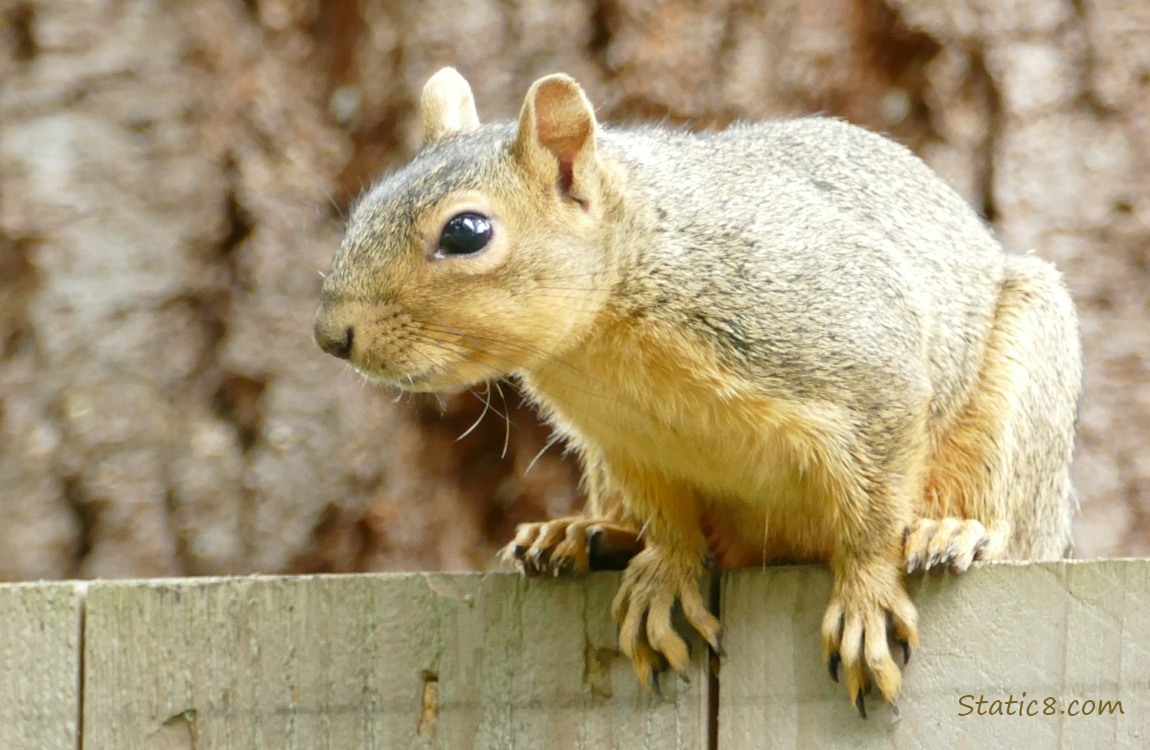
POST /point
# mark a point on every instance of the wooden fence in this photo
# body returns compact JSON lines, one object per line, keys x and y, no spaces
{"x":495,"y":661}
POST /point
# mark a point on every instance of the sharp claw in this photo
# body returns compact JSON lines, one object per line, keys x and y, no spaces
{"x":594,"y":535}
{"x":911,"y":564}
{"x":860,"y":704}
{"x":905,"y":651}
{"x":833,"y":665}
{"x":932,"y":561}
{"x":540,"y":562}
{"x":717,"y":646}
{"x":653,"y":683}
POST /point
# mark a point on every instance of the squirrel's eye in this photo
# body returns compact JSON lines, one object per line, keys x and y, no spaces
{"x":465,"y":234}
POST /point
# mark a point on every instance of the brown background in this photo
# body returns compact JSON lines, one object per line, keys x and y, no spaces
{"x":173,"y":175}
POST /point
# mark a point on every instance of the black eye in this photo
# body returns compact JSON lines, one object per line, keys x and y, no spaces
{"x":465,"y":234}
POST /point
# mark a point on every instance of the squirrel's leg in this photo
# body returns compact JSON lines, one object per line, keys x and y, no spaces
{"x":667,"y":571}
{"x":869,"y":600}
{"x":999,"y":484}
{"x":604,"y":537}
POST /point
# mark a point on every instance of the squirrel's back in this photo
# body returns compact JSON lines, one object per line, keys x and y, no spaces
{"x":806,"y":246}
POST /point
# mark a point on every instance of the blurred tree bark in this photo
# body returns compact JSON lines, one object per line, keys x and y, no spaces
{"x":173,"y":175}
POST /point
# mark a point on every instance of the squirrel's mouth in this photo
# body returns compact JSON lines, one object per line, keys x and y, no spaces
{"x":432,"y":380}
{"x":422,"y":382}
{"x":425,"y":369}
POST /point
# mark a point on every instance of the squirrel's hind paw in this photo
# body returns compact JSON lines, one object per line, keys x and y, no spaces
{"x":644,"y":605}
{"x":571,"y":546}
{"x":951,"y":544}
{"x":857,"y":628}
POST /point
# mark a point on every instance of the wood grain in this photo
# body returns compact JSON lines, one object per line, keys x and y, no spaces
{"x":380,"y":661}
{"x":1065,"y":631}
{"x":39,"y":666}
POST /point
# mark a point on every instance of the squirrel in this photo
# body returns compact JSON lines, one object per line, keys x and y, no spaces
{"x":782,"y":342}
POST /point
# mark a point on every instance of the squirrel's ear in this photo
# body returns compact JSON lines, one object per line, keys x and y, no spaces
{"x":556,"y":139}
{"x":448,"y":106}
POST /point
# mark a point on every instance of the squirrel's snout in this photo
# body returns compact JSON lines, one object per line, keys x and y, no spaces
{"x":333,"y":336}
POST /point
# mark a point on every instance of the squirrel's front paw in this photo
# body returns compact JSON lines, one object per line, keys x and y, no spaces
{"x":571,"y":546}
{"x":951,"y":544}
{"x":654,"y":581}
{"x":866,"y":608}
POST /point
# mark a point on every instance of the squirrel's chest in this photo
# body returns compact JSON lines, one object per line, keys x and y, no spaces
{"x":686,"y":419}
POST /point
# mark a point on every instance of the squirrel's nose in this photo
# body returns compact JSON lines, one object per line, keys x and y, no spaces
{"x":333,"y":336}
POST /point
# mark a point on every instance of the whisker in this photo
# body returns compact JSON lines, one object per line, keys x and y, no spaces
{"x":550,"y":442}
{"x":332,"y":201}
{"x":482,"y":414}
{"x":506,"y":420}
{"x":504,"y":413}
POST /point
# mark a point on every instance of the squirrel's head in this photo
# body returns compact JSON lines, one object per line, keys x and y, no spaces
{"x":482,"y":257}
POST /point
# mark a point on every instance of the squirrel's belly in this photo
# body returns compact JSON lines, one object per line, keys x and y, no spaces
{"x":764,"y":472}
{"x":762,"y":469}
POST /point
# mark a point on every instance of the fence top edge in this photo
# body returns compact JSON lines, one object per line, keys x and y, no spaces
{"x":82,"y":586}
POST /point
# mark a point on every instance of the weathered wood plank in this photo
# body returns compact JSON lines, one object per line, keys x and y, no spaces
{"x":39,"y":666}
{"x":372,"y":661}
{"x":1064,"y":631}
